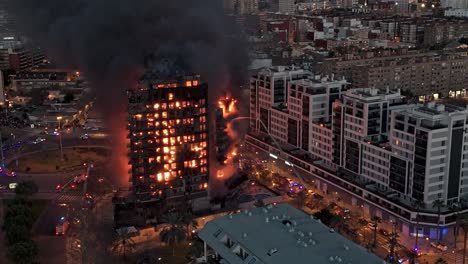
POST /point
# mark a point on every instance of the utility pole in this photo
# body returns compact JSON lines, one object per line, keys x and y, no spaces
{"x":59,"y":118}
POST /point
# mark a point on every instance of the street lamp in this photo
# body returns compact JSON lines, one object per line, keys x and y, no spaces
{"x":59,"y":118}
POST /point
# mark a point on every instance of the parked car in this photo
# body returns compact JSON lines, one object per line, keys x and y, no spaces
{"x":439,"y":246}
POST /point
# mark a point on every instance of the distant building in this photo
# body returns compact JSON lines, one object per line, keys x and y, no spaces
{"x":241,"y":7}
{"x":286,"y":6}
{"x":45,"y":79}
{"x":457,"y":12}
{"x":455,"y":4}
{"x":25,"y":58}
{"x":277,"y":235}
{"x":430,"y":75}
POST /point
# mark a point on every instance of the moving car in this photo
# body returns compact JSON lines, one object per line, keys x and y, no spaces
{"x":8,"y":173}
{"x":38,"y":140}
{"x":84,"y":136}
{"x":62,"y":226}
{"x":80,"y":178}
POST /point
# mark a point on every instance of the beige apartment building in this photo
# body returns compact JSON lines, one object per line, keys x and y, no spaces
{"x":431,"y":74}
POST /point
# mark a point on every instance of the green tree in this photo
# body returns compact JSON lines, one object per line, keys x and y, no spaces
{"x":188,"y":219}
{"x":300,"y":199}
{"x":438,"y":204}
{"x":173,"y":233}
{"x":22,"y":218}
{"x":376,"y":220}
{"x":23,"y":252}
{"x":440,"y":261}
{"x":456,"y":208}
{"x":123,"y":244}
{"x":417,"y":205}
{"x":26,"y":188}
{"x":464,"y":226}
{"x":197,"y":248}
{"x":392,"y":243}
{"x":17,"y":233}
{"x":328,"y":218}
{"x":412,"y":256}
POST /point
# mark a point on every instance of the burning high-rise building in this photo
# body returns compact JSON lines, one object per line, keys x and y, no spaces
{"x":168,"y":151}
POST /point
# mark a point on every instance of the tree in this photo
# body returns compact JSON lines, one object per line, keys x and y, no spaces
{"x":197,"y":248}
{"x":438,"y":204}
{"x":456,"y":208}
{"x":327,"y":217}
{"x":417,"y":205}
{"x":68,"y":98}
{"x":392,"y":243}
{"x":464,"y":225}
{"x":440,"y":261}
{"x":174,"y":232}
{"x":23,"y":252}
{"x":412,"y":256}
{"x":188,"y":219}
{"x":463,"y":41}
{"x":17,"y":233}
{"x":26,"y":188}
{"x":300,"y":199}
{"x":376,"y":220}
{"x":123,"y":243}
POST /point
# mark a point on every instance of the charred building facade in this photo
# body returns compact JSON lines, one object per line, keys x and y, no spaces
{"x":168,"y":151}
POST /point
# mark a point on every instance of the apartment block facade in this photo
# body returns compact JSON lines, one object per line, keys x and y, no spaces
{"x":168,"y":134}
{"x":374,"y":146}
{"x":426,"y":74}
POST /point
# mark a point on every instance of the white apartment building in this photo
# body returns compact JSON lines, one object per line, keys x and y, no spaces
{"x":321,"y":142}
{"x":375,"y":166}
{"x":296,"y":107}
{"x":268,"y":89}
{"x":366,"y":118}
{"x":430,"y":142}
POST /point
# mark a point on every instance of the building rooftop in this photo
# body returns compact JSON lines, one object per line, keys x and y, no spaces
{"x":432,"y":110}
{"x":280,"y":234}
{"x":374,"y":94}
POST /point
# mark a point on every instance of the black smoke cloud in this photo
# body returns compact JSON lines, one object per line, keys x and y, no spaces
{"x":112,"y":39}
{"x":115,"y":41}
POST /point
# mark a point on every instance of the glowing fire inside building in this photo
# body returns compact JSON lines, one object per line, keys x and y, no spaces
{"x":168,"y":134}
{"x":226,"y":137}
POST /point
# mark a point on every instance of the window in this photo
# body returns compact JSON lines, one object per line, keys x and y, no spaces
{"x":252,"y":261}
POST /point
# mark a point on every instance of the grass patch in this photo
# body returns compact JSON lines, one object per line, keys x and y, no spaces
{"x":181,"y":252}
{"x":50,"y":161}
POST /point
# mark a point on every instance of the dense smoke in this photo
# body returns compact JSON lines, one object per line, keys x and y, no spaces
{"x":115,"y":41}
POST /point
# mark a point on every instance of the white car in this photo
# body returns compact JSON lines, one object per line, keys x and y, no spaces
{"x":38,"y":140}
{"x":439,"y":246}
